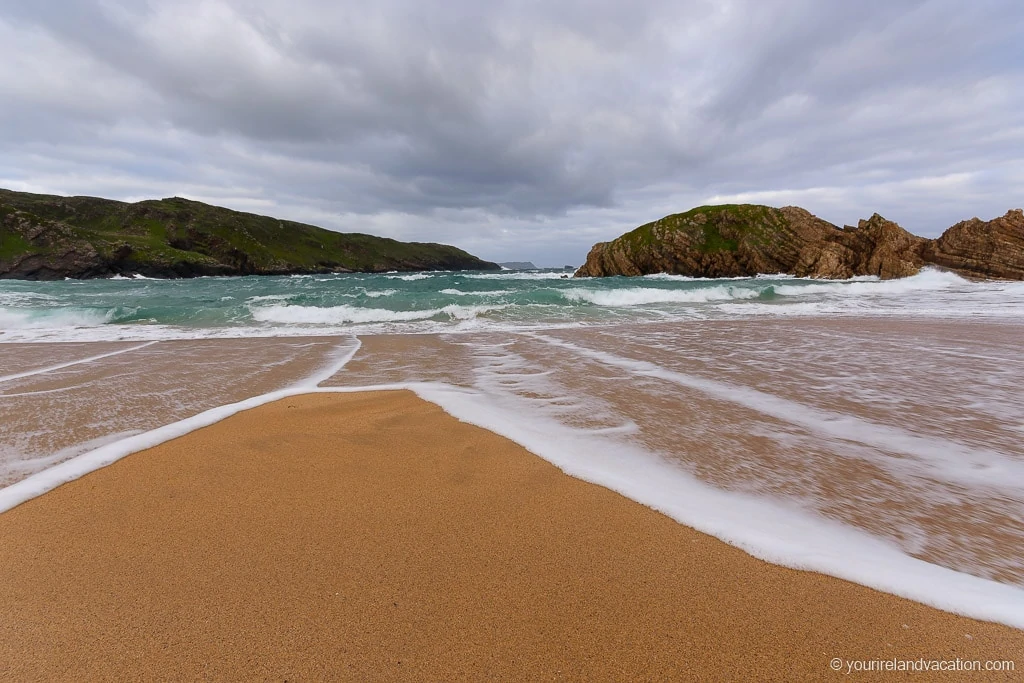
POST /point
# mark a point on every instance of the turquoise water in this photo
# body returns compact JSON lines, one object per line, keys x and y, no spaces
{"x":135,"y":308}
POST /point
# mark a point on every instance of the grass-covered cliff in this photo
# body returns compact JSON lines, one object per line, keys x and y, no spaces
{"x":50,"y":237}
{"x":738,"y":240}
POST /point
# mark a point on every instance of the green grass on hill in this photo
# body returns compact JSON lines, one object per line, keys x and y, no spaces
{"x":752,"y":221}
{"x":177,"y":230}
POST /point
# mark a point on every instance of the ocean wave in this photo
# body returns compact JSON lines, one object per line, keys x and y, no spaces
{"x":518,"y":275}
{"x":774,"y":276}
{"x":338,"y":315}
{"x":376,"y":294}
{"x":133,"y":276}
{"x":458,"y":292}
{"x":268,"y":297}
{"x":689,"y":278}
{"x":409,"y":278}
{"x":25,"y":299}
{"x":639,"y":296}
{"x":53,"y":318}
{"x":773,"y":309}
{"x":928,"y":279}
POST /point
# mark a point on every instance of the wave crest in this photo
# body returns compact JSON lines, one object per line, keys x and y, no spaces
{"x":54,"y":318}
{"x":345,"y":314}
{"x":639,"y":296}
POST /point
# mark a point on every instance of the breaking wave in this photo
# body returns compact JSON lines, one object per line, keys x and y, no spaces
{"x":519,"y":275}
{"x":638,"y":296}
{"x":458,"y":292}
{"x":410,"y":278}
{"x":54,"y":318}
{"x":338,"y":315}
{"x":927,"y":280}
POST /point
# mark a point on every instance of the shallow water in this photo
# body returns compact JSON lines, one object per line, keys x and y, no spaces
{"x":880,"y":425}
{"x":891,"y":410}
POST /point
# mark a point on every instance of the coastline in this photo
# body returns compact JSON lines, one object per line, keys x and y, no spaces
{"x":447,"y":548}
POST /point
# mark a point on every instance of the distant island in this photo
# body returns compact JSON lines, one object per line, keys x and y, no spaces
{"x":518,"y":265}
{"x":743,"y":240}
{"x":45,"y":237}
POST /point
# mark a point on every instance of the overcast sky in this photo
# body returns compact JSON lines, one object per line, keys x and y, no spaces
{"x":519,"y":130}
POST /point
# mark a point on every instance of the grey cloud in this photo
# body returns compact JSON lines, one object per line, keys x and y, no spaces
{"x":518,"y":126}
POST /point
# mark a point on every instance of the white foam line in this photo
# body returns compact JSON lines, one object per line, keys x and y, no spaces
{"x":341,"y":358}
{"x":306,"y":346}
{"x":947,"y":460}
{"x":45,"y":391}
{"x":69,"y":470}
{"x":763,"y":528}
{"x":61,"y":366}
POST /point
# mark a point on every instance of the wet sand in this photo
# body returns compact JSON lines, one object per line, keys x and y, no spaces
{"x":930,"y":458}
{"x":371,"y":536}
{"x":75,"y":397}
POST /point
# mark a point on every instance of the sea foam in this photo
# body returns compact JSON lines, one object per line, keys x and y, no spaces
{"x":337,"y":315}
{"x":53,"y":318}
{"x":765,"y":528}
{"x":638,"y":296}
{"x":69,"y":470}
{"x":450,"y":291}
{"x":61,"y":366}
{"x":927,"y":280}
{"x":410,"y":278}
{"x":518,"y":275}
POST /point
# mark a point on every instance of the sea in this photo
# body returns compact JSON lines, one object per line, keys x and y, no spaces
{"x":869,"y":430}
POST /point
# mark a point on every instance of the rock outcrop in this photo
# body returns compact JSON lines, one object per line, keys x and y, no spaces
{"x":742,"y":240}
{"x":992,"y":249}
{"x":44,"y":237}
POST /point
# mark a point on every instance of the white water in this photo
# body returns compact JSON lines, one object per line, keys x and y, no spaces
{"x":635,"y":296}
{"x":336,"y":315}
{"x":69,"y":470}
{"x":56,"y":318}
{"x":940,"y":416}
{"x":61,"y":366}
{"x":764,"y":527}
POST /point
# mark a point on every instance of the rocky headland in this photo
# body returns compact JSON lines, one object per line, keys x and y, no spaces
{"x":742,"y":240}
{"x":44,"y":237}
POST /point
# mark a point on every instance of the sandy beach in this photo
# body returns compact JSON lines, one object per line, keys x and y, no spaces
{"x":371,"y":536}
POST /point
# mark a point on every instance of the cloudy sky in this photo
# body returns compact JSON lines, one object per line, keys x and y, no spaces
{"x":519,"y":130}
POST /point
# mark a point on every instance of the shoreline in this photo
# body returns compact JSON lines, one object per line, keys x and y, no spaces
{"x":979,"y":598}
{"x":483,"y":560}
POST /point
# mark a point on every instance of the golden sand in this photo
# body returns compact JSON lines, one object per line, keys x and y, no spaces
{"x":373,"y":537}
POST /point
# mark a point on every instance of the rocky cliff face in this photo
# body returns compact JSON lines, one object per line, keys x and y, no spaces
{"x":875,"y":247}
{"x":979,"y":248}
{"x":745,"y":240}
{"x":44,"y":237}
